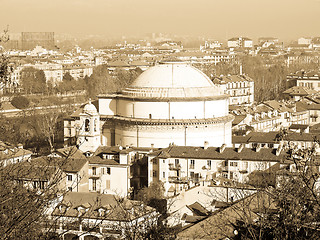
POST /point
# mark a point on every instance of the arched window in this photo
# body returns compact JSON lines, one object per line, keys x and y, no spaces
{"x":87,"y":125}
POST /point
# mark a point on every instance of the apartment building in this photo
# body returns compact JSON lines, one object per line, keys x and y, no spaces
{"x":239,"y":87}
{"x":182,"y":167}
{"x":240,"y":42}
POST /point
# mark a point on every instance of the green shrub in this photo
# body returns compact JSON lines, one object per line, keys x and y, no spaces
{"x":20,"y":102}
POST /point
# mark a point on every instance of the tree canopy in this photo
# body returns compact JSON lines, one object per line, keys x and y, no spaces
{"x":33,"y":80}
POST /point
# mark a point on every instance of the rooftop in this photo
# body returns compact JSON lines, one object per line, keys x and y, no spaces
{"x":113,"y":209}
{"x":172,"y":79}
{"x":247,"y":154}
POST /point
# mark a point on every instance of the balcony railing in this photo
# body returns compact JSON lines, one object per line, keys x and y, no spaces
{"x":95,"y":174}
{"x":176,"y":179}
{"x":174,"y":166}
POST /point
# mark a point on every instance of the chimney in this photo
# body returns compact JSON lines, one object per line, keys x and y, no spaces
{"x":258,"y":147}
{"x":221,"y":149}
{"x":206,"y":145}
{"x":240,"y":148}
{"x":152,"y":145}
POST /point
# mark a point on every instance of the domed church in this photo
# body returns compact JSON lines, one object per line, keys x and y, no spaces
{"x":170,"y":103}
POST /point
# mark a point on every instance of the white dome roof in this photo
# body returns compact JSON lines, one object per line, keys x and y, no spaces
{"x":90,"y":108}
{"x":172,"y":80}
{"x":173,"y":75}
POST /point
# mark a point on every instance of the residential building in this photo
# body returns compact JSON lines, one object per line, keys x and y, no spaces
{"x":78,"y":70}
{"x":240,"y":42}
{"x":305,"y":40}
{"x":10,"y":154}
{"x":302,"y":78}
{"x":109,"y":171}
{"x":273,"y":139}
{"x":269,"y":116}
{"x":239,"y":87}
{"x":181,"y":167}
{"x":52,"y":71}
{"x":102,"y":216}
{"x":40,"y":174}
{"x":74,"y":165}
{"x":266,"y":42}
{"x":211,"y":44}
{"x":260,"y":118}
{"x":221,"y":224}
{"x":297,"y":93}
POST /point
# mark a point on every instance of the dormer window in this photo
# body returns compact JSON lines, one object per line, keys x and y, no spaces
{"x":103,"y":211}
{"x":62,"y":208}
{"x":82,"y":209}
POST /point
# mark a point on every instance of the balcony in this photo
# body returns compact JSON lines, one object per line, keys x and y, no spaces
{"x":179,"y":180}
{"x":94,"y":175}
{"x":223,"y":169}
{"x":174,"y":167}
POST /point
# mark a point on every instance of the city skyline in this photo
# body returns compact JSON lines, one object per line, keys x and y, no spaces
{"x":285,"y":19}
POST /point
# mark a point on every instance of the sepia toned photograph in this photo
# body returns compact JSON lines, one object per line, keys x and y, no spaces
{"x":159,"y":120}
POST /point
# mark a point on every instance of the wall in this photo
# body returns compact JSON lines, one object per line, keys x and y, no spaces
{"x":162,"y":135}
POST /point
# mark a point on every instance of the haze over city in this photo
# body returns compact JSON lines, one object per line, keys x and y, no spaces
{"x":286,"y":19}
{"x":160,"y":120}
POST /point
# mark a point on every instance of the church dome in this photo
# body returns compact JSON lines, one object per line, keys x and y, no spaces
{"x":172,"y":80}
{"x":172,"y":75}
{"x":90,"y":108}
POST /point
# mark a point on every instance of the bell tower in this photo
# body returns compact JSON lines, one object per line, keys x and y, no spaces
{"x":89,"y":129}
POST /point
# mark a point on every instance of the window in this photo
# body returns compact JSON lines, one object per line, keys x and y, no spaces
{"x":94,"y":184}
{"x":87,"y":125}
{"x":107,"y":184}
{"x":95,"y":125}
{"x":42,"y":185}
{"x":108,"y":170}
{"x":69,"y":177}
{"x":246,"y":165}
{"x":192,"y":174}
{"x":192,"y":164}
{"x":154,"y":173}
{"x":94,"y":171}
{"x":164,"y":161}
{"x":209,"y":163}
{"x":233,"y":164}
{"x":176,"y":161}
{"x":164,"y":175}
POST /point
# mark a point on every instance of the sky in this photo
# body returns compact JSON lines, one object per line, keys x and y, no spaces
{"x":221,"y":19}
